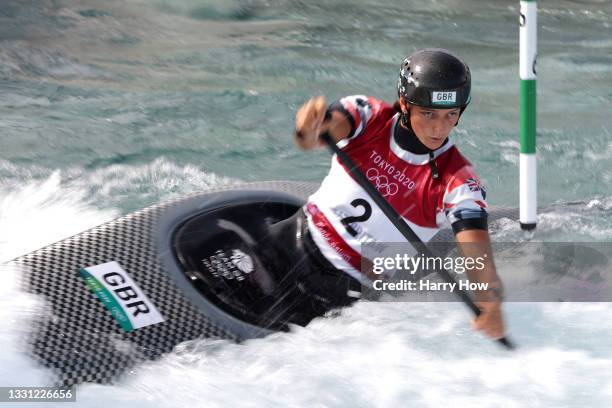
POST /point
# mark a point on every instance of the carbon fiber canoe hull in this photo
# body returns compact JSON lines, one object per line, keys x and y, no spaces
{"x":80,"y":337}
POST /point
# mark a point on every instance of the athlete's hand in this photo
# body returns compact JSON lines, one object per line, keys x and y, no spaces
{"x":308,"y":121}
{"x":490,"y":321}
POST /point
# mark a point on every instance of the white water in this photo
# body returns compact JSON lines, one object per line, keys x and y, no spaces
{"x":141,"y":100}
{"x":373,"y":355}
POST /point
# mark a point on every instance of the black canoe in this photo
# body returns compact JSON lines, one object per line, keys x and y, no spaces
{"x":131,"y":289}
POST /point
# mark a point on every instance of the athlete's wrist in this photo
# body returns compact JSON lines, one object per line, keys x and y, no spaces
{"x":493,"y":293}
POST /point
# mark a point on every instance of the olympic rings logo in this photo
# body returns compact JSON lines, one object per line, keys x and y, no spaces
{"x":382,"y":182}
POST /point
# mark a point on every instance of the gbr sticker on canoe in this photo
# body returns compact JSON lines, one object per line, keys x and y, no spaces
{"x":443,"y":98}
{"x":121,"y":296}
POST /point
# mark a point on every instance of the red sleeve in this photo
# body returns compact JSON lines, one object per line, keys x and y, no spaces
{"x":464,"y":201}
{"x":360,"y":110}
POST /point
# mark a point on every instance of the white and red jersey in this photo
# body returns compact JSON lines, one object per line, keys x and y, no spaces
{"x":341,"y":215}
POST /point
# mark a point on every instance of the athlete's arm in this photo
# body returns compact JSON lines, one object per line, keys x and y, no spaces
{"x":310,"y":123}
{"x":475,"y":243}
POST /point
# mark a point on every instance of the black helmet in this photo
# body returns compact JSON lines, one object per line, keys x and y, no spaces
{"x":435,"y":78}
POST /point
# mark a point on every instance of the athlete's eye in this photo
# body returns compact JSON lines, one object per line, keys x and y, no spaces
{"x":428,"y":115}
{"x":453,"y":114}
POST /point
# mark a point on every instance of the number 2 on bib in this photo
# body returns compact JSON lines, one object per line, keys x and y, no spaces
{"x":367,"y":213}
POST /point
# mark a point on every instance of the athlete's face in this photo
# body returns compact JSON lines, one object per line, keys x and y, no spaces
{"x":432,"y":126}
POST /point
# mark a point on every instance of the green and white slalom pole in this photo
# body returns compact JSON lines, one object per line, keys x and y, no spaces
{"x":528,"y":170}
